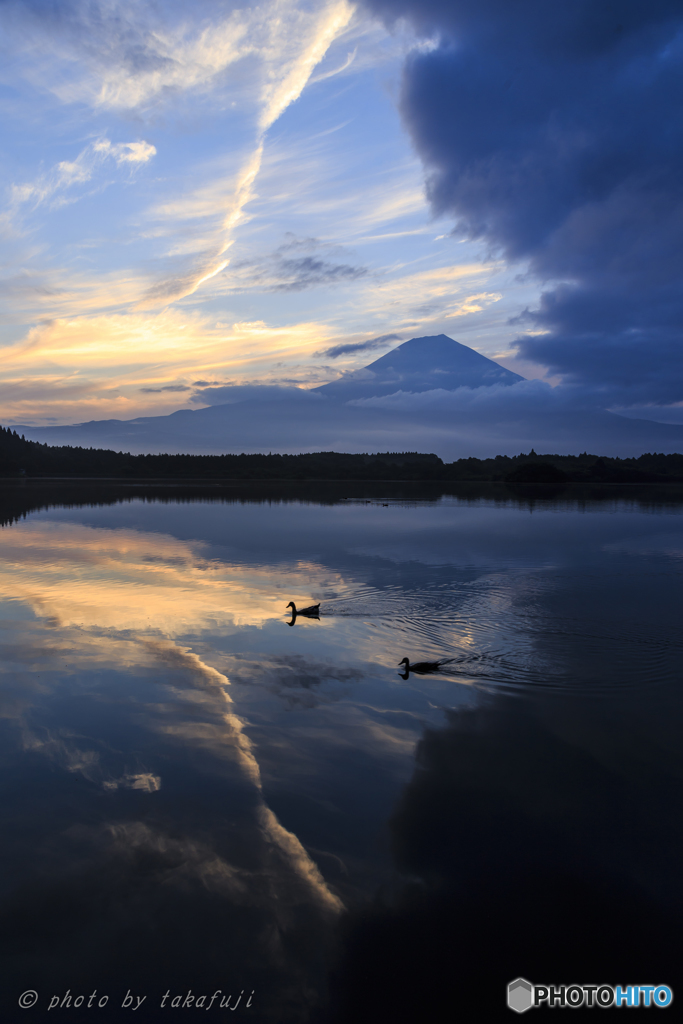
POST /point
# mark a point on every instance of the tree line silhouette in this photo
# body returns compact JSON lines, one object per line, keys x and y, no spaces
{"x":20,"y":457}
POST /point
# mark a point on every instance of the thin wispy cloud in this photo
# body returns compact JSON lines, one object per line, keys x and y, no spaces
{"x":166,"y":387}
{"x":291,"y":54}
{"x":61,"y":178}
{"x":124,"y":55}
{"x":294,"y":266}
{"x":361,"y":346}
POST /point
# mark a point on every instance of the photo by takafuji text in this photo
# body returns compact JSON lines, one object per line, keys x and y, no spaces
{"x":130,"y":1001}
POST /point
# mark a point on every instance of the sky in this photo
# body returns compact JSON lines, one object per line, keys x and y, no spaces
{"x":198,"y":195}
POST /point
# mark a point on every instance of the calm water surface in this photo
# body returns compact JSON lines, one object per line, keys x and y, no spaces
{"x":200,"y":794}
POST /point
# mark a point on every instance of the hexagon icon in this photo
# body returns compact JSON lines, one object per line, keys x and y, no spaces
{"x":520,"y":995}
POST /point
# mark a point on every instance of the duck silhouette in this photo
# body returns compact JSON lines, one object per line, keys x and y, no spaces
{"x":312,"y":612}
{"x":422,"y":668}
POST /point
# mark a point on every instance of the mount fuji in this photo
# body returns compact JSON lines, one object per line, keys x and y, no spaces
{"x":421,"y":364}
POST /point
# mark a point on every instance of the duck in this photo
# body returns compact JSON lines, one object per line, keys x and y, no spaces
{"x":421,"y":667}
{"x":312,"y":612}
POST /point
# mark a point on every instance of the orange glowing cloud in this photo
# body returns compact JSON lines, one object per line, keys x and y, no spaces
{"x":117,"y":365}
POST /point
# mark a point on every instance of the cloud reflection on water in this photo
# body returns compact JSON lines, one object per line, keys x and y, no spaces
{"x":202,"y":786}
{"x":125,"y":579}
{"x":104,"y":609}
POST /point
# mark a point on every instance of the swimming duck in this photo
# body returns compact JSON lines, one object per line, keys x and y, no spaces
{"x":421,"y":667}
{"x":312,"y":612}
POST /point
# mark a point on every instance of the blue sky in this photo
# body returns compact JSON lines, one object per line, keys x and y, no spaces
{"x":204,"y":194}
{"x":217,"y":193}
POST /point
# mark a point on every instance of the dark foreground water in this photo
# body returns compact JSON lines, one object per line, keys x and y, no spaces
{"x":200,"y":795}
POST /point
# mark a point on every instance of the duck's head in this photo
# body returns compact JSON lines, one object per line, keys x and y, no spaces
{"x":404,"y":661}
{"x":292,"y":605}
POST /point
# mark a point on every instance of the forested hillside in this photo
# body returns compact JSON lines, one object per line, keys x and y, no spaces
{"x":19,"y":457}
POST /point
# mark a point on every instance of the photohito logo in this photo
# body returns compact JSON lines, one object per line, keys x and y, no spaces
{"x":523,"y":996}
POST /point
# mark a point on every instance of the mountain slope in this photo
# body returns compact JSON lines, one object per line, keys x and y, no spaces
{"x":421,"y":364}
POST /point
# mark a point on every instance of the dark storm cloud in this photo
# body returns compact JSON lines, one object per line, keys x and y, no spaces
{"x":361,"y":346}
{"x":554,"y":133}
{"x":167,"y":387}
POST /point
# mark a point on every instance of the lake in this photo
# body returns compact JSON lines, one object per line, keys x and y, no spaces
{"x":207,"y":800}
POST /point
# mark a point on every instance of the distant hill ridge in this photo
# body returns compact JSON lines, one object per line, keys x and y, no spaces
{"x":421,"y":364}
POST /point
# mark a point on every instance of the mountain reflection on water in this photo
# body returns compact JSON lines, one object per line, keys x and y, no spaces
{"x":197,"y":797}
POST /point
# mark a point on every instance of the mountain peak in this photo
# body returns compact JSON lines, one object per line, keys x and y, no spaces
{"x":421,"y":364}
